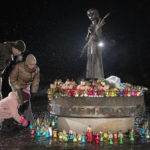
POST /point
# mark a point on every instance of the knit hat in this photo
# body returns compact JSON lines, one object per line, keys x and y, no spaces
{"x":30,"y":60}
{"x":20,"y":45}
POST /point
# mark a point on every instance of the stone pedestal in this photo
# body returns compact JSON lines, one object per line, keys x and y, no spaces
{"x":104,"y":124}
{"x":101,"y":113}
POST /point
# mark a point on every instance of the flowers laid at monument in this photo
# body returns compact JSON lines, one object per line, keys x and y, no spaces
{"x":110,"y":87}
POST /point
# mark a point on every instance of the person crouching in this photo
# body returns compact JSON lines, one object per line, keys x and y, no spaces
{"x":9,"y":109}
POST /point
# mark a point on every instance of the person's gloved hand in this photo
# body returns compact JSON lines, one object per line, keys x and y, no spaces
{"x":23,"y":121}
{"x":33,"y":95}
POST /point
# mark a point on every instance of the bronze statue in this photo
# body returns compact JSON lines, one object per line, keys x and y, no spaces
{"x":94,"y":68}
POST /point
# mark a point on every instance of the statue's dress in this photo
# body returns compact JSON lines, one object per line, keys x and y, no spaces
{"x":94,"y":68}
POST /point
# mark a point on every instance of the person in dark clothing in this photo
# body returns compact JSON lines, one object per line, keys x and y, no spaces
{"x":7,"y":51}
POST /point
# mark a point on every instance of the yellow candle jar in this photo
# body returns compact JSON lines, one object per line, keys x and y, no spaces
{"x":105,"y":135}
{"x":60,"y":134}
{"x":55,"y":134}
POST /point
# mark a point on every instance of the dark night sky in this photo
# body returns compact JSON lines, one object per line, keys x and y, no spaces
{"x":54,"y":32}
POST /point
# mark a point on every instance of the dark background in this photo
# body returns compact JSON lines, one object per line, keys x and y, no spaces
{"x":54,"y":31}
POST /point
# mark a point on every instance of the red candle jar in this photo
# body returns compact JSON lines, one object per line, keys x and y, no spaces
{"x":115,"y":136}
{"x":90,"y":136}
{"x":32,"y":131}
{"x":97,"y":138}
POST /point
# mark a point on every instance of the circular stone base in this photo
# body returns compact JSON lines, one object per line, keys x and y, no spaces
{"x":98,"y":124}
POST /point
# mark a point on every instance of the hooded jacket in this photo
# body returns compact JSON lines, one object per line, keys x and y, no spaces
{"x":23,"y":77}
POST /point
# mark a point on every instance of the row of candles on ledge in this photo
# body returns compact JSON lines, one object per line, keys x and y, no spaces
{"x":111,"y":93}
{"x":48,"y":128}
{"x":93,"y":88}
{"x":108,"y":93}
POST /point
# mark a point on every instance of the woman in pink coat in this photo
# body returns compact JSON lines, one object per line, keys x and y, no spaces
{"x":9,"y":109}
